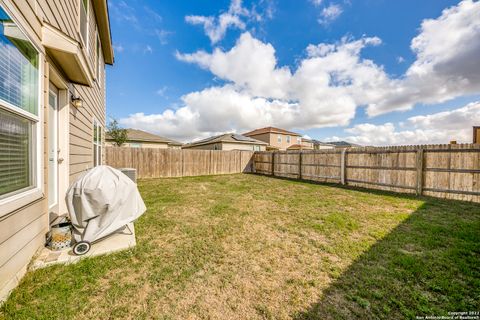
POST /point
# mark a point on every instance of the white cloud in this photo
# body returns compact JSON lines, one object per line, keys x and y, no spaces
{"x":316,"y":3}
{"x":118,"y":48}
{"x":216,"y":27}
{"x":400,"y":59}
{"x":447,"y":64}
{"x":147,"y":49}
{"x":161,"y":92}
{"x":330,"y":14}
{"x":122,"y":12}
{"x":328,"y":85}
{"x":163,"y":35}
{"x":233,"y":112}
{"x":250,"y":64}
{"x":436,"y":128}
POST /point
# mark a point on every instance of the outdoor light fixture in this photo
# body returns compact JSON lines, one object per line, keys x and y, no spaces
{"x":74,"y":98}
{"x":76,"y":101}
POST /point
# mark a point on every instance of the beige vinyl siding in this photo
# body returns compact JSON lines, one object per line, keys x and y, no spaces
{"x":23,"y":231}
{"x":241,"y":146}
{"x":265,"y":137}
{"x":210,"y":146}
{"x":63,"y":15}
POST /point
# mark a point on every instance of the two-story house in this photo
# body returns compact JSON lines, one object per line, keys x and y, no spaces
{"x":277,"y":139}
{"x":52,"y":116}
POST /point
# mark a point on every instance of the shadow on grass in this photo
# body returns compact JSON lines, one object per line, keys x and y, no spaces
{"x":428,"y":265}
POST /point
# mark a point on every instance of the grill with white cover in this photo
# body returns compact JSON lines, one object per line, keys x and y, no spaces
{"x":101,"y":202}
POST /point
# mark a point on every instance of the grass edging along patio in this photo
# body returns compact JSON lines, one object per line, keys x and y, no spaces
{"x":249,"y":246}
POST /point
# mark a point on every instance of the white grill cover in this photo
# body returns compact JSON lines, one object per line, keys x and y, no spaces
{"x":102,"y":201}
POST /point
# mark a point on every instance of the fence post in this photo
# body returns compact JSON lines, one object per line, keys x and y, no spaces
{"x":300,"y":165}
{"x":343,"y":168}
{"x":273,"y":163}
{"x":419,"y":165}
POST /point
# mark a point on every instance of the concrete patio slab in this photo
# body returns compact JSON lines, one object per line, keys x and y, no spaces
{"x":119,"y":241}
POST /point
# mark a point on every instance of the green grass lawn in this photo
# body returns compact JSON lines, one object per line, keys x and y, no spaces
{"x":253,"y":247}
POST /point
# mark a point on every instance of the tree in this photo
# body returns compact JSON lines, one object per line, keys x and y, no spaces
{"x":118,"y":134}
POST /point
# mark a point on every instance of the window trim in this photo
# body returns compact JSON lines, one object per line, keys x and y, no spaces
{"x":279,"y":138}
{"x":97,"y":144}
{"x":15,"y":200}
{"x":85,"y":42}
{"x":98,"y":48}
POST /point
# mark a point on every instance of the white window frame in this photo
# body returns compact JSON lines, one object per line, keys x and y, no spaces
{"x":19,"y":198}
{"x":288,"y":139}
{"x":279,"y":138}
{"x":98,"y":159}
{"x":98,"y":48}
{"x":86,"y":41}
{"x":299,"y":140}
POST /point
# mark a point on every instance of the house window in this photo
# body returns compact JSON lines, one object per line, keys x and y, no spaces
{"x":279,"y":139}
{"x":135,"y":145}
{"x":97,"y":143}
{"x":19,"y":97}
{"x":98,"y":59}
{"x":84,"y":7}
{"x":299,"y":140}
{"x":256,"y":148}
{"x":288,"y":139}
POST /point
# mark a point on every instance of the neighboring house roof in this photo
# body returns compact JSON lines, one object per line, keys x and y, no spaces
{"x":143,"y":136}
{"x":227,"y":137}
{"x":343,"y":144}
{"x":320,"y":143}
{"x":270,"y":130}
{"x":298,"y":147}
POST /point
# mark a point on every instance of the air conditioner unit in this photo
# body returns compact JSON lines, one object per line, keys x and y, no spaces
{"x":130,"y":172}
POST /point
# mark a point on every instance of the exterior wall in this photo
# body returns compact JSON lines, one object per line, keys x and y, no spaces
{"x":307,"y":144}
{"x":242,"y":146}
{"x":320,"y":147}
{"x":23,"y":230}
{"x":81,"y":120}
{"x":272,"y":140}
{"x":476,"y":135}
{"x":210,"y":146}
{"x":283,"y":145}
{"x":265,"y":137}
{"x":140,"y":145}
{"x":226,"y":146}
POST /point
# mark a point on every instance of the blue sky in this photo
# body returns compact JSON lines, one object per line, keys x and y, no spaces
{"x":160,"y":82}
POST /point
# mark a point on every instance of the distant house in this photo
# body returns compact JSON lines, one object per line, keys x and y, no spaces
{"x":476,"y":134}
{"x":306,"y":144}
{"x":343,"y":144}
{"x":228,"y":141}
{"x":299,"y":147}
{"x":312,"y":144}
{"x":141,"y":139}
{"x":276,"y":138}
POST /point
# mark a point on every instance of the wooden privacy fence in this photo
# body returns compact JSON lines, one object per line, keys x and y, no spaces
{"x":160,"y":163}
{"x":445,"y":171}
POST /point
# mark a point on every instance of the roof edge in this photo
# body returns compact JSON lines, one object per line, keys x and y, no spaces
{"x":103,"y":22}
